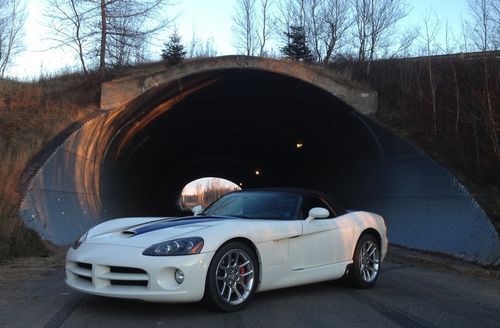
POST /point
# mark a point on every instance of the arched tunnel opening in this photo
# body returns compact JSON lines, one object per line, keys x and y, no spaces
{"x":242,"y":122}
{"x":227,"y":120}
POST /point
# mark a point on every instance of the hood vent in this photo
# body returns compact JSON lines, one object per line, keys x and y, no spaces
{"x":128,"y":233}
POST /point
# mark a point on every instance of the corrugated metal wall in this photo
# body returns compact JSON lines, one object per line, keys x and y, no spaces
{"x":425,"y":206}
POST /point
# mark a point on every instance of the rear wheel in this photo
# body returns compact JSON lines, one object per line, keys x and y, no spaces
{"x":366,"y":263}
{"x":232,"y":277}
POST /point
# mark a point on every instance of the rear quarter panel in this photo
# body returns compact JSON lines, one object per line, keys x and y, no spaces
{"x":363,"y":221}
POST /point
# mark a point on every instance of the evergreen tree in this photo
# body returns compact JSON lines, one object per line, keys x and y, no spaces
{"x":173,"y":53}
{"x":297,"y":48}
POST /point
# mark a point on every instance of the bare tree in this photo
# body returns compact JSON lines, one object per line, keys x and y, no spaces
{"x":325,"y":23}
{"x":244,"y":26}
{"x":362,"y":19}
{"x":12,"y":18}
{"x":70,"y":23}
{"x":199,"y":48}
{"x":375,"y":22}
{"x":209,"y":48}
{"x":118,"y":31}
{"x":314,"y":25}
{"x":402,"y":46}
{"x":291,"y":13}
{"x":337,"y":17}
{"x":431,"y":29}
{"x":495,"y":17}
{"x":483,"y":35}
{"x":125,"y":25}
{"x":265,"y":25}
{"x":482,"y":26}
{"x":193,"y":45}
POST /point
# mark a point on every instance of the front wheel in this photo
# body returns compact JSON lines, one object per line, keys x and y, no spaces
{"x":366,"y":262}
{"x":232,"y":277}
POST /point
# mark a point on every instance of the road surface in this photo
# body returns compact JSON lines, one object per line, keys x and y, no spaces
{"x":413,"y":290}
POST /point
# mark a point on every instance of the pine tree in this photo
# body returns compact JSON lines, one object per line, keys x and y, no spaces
{"x":297,"y":48}
{"x":173,"y":53}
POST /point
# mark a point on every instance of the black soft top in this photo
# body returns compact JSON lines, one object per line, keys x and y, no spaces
{"x":305,"y":194}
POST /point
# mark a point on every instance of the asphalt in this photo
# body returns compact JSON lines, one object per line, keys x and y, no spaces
{"x":414,"y":289}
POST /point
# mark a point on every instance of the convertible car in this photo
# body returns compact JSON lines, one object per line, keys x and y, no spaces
{"x":245,"y":242}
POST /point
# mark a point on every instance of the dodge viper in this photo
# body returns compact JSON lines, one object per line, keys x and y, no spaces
{"x":246,"y":242}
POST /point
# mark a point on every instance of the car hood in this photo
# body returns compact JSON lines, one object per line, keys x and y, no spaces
{"x":147,"y":233}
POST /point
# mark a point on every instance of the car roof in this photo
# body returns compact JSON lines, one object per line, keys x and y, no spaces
{"x":297,"y":191}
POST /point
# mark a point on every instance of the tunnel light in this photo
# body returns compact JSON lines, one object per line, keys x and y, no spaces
{"x":257,"y":172}
{"x":241,"y":184}
{"x":299,"y":145}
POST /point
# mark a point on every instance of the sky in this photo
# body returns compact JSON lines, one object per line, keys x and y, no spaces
{"x":205,"y":18}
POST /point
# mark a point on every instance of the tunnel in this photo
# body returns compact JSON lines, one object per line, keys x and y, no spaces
{"x":230,"y":123}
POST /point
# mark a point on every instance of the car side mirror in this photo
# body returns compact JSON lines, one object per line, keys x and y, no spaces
{"x":317,"y":213}
{"x":197,"y":210}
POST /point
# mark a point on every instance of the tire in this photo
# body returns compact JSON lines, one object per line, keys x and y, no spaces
{"x":232,"y":277}
{"x":366,"y":262}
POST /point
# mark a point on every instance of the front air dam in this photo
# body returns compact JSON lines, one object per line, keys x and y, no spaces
{"x":230,"y":117}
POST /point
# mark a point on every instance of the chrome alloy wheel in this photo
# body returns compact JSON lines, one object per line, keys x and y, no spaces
{"x":235,"y":276}
{"x":369,"y":261}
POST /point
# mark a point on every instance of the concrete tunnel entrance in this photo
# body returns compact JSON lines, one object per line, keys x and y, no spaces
{"x":242,"y":122}
{"x":228,"y":123}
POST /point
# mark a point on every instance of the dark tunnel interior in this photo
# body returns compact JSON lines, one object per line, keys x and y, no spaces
{"x":245,"y":120}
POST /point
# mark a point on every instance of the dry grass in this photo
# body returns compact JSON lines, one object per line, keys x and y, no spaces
{"x":31,"y":114}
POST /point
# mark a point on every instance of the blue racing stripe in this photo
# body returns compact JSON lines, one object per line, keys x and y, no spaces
{"x":175,"y":223}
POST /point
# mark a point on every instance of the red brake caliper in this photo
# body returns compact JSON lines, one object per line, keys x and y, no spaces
{"x":242,"y":271}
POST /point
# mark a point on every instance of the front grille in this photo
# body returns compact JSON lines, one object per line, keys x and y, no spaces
{"x":142,"y":283}
{"x":87,"y":266}
{"x":85,"y":278}
{"x":125,"y":270}
{"x":101,"y":275}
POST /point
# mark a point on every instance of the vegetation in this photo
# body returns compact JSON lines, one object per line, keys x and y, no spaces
{"x":297,"y":48}
{"x":118,"y":31}
{"x":31,"y":114}
{"x":454,"y":119}
{"x":174,"y":52}
{"x":205,"y":191}
{"x":12,"y":18}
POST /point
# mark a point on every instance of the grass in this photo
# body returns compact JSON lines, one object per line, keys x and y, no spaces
{"x":31,"y":114}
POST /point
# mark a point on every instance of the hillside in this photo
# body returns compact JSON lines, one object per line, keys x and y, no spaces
{"x":31,"y":114}
{"x":449,"y":107}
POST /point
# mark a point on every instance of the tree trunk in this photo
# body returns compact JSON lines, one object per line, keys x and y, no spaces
{"x":102,"y":55}
{"x":457,"y":97}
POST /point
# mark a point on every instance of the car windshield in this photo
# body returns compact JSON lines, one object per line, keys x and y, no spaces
{"x":256,"y":205}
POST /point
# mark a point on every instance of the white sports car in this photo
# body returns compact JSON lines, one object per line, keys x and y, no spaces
{"x":245,"y":242}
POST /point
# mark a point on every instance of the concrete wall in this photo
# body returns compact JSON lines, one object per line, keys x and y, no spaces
{"x":118,"y":92}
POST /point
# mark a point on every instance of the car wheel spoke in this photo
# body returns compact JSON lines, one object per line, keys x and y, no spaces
{"x":229,"y":295}
{"x":223,"y":288}
{"x":234,"y":276}
{"x":244,"y":286}
{"x":244,"y":264}
{"x":365,"y":275}
{"x":237,"y":292}
{"x":369,"y":259}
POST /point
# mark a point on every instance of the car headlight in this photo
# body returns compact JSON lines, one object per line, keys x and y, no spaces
{"x":80,"y":240}
{"x":182,"y":246}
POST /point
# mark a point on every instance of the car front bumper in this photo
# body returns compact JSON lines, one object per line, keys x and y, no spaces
{"x":123,"y":272}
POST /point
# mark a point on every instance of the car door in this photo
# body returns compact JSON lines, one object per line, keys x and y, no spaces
{"x":323,"y":241}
